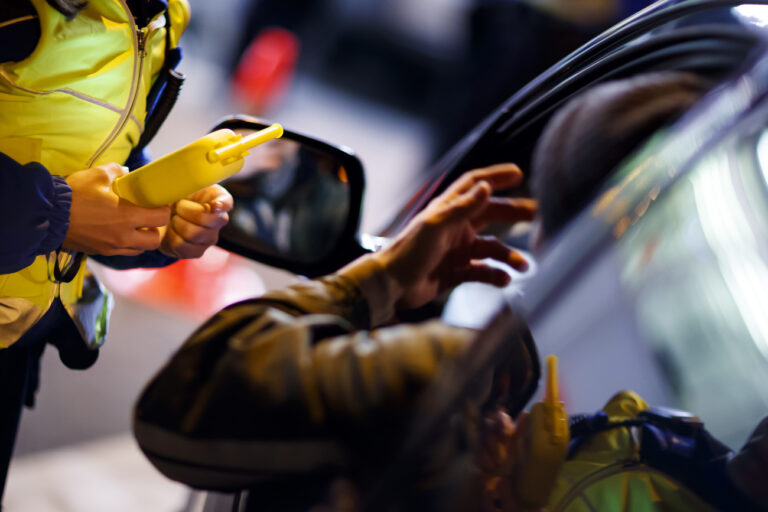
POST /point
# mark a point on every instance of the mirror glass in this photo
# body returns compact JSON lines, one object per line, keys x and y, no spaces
{"x":291,"y":200}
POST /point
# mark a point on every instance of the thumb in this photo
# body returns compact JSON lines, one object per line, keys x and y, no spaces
{"x":469,"y":203}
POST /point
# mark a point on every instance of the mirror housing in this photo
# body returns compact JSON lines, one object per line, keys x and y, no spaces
{"x":318,"y":202}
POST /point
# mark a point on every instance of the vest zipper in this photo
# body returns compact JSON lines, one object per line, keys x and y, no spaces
{"x":141,"y":35}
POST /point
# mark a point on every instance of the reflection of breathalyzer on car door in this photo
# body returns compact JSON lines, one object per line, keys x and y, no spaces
{"x":543,"y":446}
{"x":200,"y":164}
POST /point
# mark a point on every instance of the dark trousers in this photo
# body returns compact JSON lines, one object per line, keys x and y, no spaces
{"x":19,"y":377}
{"x":18,"y":381}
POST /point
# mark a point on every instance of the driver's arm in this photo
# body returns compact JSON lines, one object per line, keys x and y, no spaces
{"x":303,"y":362}
{"x":298,"y":362}
{"x":305,"y":357}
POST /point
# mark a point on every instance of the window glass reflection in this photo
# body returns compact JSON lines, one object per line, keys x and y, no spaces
{"x":695,"y":265}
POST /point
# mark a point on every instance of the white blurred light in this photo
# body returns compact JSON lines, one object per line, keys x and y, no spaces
{"x":733,"y":243}
{"x":762,"y":154}
{"x":753,"y":14}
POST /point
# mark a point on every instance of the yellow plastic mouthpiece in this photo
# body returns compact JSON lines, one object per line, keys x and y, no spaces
{"x":239,"y":149}
{"x":550,"y":392}
{"x":204,"y":162}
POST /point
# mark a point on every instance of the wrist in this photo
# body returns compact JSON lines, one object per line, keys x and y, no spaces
{"x":379,"y":288}
{"x":61,"y":203}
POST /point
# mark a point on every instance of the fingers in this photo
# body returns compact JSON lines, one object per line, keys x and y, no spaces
{"x":196,"y":222}
{"x":175,"y":245}
{"x":205,"y":215}
{"x":193,"y":233}
{"x":135,"y":242}
{"x":144,"y":217}
{"x":499,"y":177}
{"x":185,"y":239}
{"x":486,"y":247}
{"x":147,"y":239}
{"x":463,"y":198}
{"x":469,"y":203}
{"x":503,"y":210}
{"x":482,"y":273}
{"x":206,"y":208}
{"x":216,"y":198}
{"x":478,"y":272}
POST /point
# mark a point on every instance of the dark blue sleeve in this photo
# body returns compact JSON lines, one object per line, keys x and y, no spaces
{"x":138,"y":158}
{"x":34,"y":207}
{"x":147,"y":259}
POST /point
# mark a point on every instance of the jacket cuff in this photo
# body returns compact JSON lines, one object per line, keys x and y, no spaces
{"x":61,"y":202}
{"x":147,"y":259}
{"x":378,"y":288}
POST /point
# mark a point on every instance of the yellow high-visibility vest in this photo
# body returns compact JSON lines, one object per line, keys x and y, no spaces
{"x":78,"y":101}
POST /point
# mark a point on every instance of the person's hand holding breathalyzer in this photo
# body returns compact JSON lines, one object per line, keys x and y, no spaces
{"x":196,"y":222}
{"x":100,"y":222}
{"x":103,"y":223}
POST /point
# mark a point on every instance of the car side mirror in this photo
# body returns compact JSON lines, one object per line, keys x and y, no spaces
{"x":296,"y":202}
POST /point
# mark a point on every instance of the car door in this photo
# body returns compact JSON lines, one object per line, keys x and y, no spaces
{"x":660,"y":285}
{"x":561,"y":302}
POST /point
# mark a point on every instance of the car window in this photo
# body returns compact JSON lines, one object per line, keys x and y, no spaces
{"x":710,"y":39}
{"x":694,"y":265}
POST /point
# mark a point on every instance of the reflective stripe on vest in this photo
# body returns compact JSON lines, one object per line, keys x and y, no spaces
{"x":78,"y":101}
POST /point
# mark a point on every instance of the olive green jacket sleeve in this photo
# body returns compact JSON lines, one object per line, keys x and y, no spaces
{"x":301,"y":362}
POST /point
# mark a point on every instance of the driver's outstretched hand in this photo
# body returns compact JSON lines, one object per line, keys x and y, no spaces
{"x":440,"y":248}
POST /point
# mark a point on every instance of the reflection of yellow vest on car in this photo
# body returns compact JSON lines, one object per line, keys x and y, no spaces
{"x":79,"y":100}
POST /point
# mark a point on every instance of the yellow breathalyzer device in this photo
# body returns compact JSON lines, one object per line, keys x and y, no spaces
{"x":202,"y":163}
{"x":544,"y":447}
